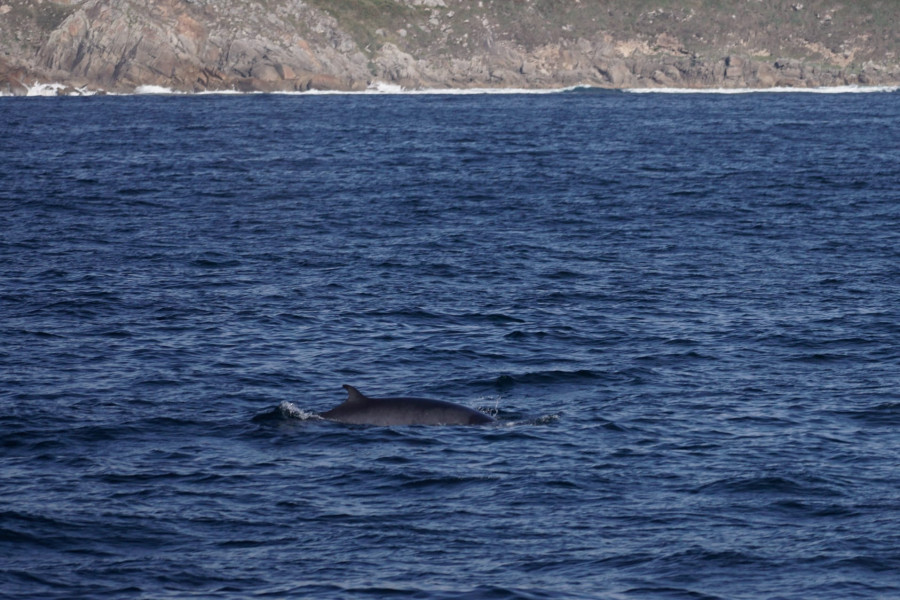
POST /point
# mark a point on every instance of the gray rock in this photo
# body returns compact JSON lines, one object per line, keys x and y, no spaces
{"x":297,"y":44}
{"x":615,"y":73}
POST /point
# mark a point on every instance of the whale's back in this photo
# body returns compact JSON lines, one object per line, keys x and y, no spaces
{"x":359,"y":409}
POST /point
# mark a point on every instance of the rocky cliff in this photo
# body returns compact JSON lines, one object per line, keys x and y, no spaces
{"x":268,"y":45}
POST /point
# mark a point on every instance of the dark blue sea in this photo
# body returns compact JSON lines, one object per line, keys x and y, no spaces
{"x":682,"y":310}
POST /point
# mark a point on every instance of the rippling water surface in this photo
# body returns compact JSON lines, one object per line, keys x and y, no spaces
{"x":683,"y":311}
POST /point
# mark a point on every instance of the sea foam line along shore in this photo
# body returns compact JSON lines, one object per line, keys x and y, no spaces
{"x":381,"y":88}
{"x":843,"y":89}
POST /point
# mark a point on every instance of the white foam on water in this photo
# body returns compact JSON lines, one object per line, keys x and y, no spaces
{"x":291,"y":410}
{"x":841,"y":89}
{"x":54,"y":89}
{"x":231,"y":92}
{"x":384,"y":88}
{"x":45,"y":89}
{"x":153,"y":89}
{"x":380,"y":87}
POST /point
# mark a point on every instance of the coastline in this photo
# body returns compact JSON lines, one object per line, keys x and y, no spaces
{"x":45,"y":90}
{"x":80,"y":47}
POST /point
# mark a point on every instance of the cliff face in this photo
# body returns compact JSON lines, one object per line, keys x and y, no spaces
{"x":185,"y":45}
{"x":269,"y":45}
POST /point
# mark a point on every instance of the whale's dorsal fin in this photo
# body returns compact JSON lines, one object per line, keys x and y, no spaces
{"x":354,"y":396}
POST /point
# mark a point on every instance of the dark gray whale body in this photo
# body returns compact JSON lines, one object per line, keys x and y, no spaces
{"x":358,"y":409}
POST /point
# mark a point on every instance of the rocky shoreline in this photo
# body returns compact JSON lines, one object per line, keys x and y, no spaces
{"x":347,"y":45}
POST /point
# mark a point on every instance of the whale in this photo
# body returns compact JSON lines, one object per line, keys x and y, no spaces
{"x":359,"y":409}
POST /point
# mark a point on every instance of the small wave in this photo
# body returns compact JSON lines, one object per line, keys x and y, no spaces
{"x":769,"y":485}
{"x":537,"y":421}
{"x":726,"y":558}
{"x":385,"y":88}
{"x":381,"y":87}
{"x":842,"y":89}
{"x":665,"y":358}
{"x":153,"y":89}
{"x":494,"y":318}
{"x":544,"y":377}
{"x":443,"y":482}
{"x":289,"y":410}
{"x":521,"y":335}
{"x":376,"y":88}
{"x":208,"y":263}
{"x":481,"y":592}
{"x":284,"y":412}
{"x":512,"y":418}
{"x":820,"y":357}
{"x":57,"y":89}
{"x":886,"y":413}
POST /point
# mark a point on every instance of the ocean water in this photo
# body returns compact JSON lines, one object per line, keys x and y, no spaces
{"x":682,"y":310}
